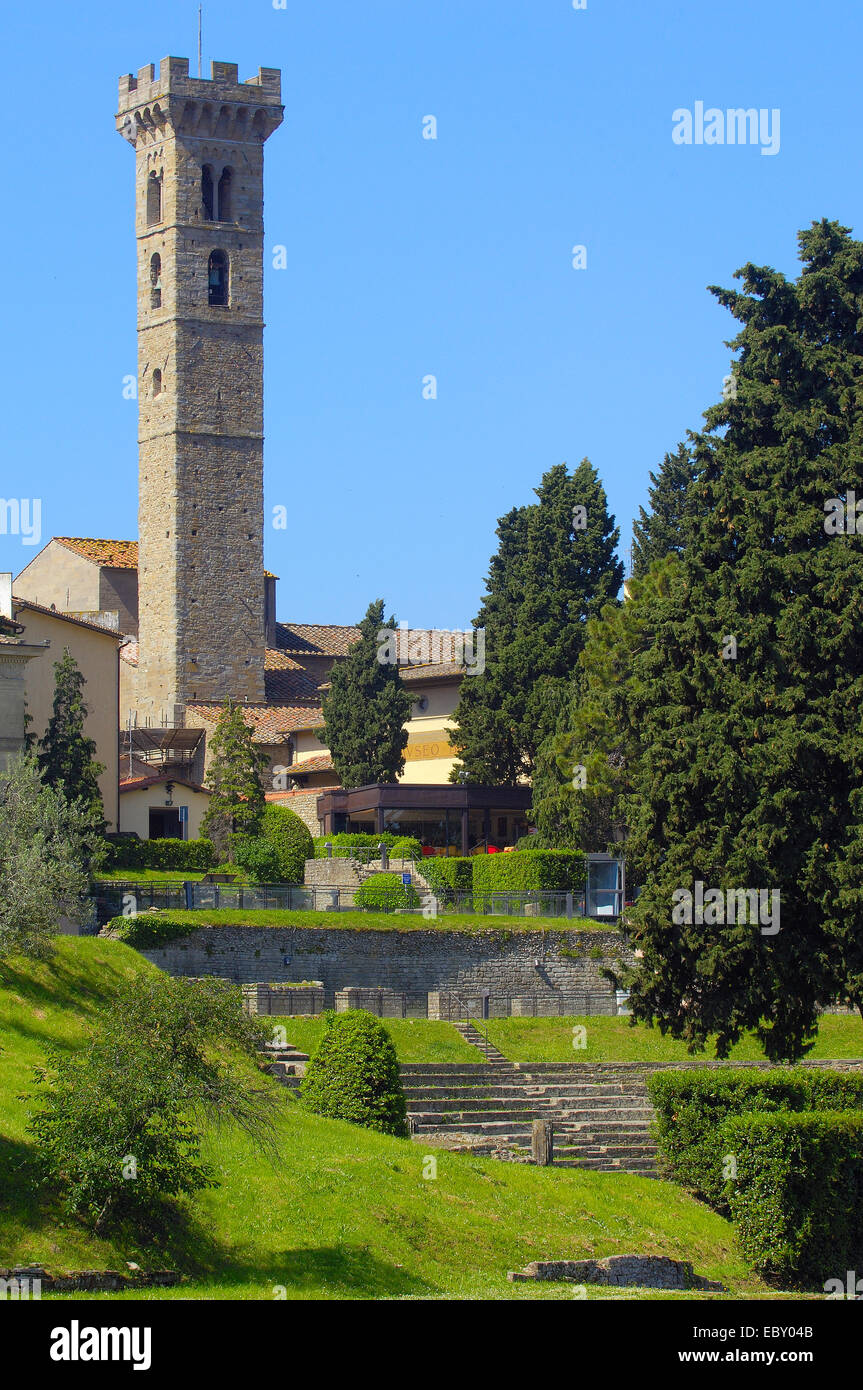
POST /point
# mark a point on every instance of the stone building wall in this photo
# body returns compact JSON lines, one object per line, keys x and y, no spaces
{"x":506,"y":963}
{"x":200,"y":558}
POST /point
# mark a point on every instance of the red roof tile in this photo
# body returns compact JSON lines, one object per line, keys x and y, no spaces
{"x":115,"y":555}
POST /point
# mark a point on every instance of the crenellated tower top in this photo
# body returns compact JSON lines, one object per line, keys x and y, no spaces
{"x":199,"y":108}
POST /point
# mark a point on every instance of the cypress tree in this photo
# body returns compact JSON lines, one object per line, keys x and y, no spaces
{"x":554,"y":569}
{"x":237,"y":794}
{"x":66,"y":755}
{"x":367,"y":708}
{"x":662,"y":531}
{"x":747,"y":700}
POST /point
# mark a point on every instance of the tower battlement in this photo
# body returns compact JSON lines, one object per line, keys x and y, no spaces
{"x":196,"y":106}
{"x":223,"y":84}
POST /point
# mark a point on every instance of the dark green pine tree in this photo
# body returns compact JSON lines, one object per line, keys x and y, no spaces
{"x":662,"y":530}
{"x":237,"y":799}
{"x":367,"y":709}
{"x":555,"y":568}
{"x":747,"y":700}
{"x":66,"y":755}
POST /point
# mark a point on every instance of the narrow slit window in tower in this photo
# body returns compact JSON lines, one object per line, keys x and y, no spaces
{"x":157,"y":382}
{"x":217,"y":278}
{"x":207,"y":193}
{"x":154,"y":199}
{"x":156,"y":281}
{"x":225,"y":213}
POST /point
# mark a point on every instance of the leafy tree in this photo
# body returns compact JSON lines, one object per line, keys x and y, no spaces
{"x":66,"y":754}
{"x":585,"y":771}
{"x":662,"y":531}
{"x":747,"y":701}
{"x":237,"y":793}
{"x":367,"y":707}
{"x":47,"y":847}
{"x":118,"y":1127}
{"x":555,"y":568}
{"x":354,"y":1075}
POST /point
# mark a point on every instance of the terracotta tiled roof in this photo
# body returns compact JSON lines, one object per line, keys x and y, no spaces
{"x":301,"y":791}
{"x":271,"y":723}
{"x":286,"y":681}
{"x":316,"y":639}
{"x":322,"y":762}
{"x":116,"y":555}
{"x":21,"y":605}
{"x":129,"y":652}
{"x":433,"y":671}
{"x":136,"y":784}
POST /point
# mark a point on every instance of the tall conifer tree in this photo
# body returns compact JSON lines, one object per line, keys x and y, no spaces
{"x":66,"y":755}
{"x":662,"y":530}
{"x":367,"y":709}
{"x":554,"y":569}
{"x":237,"y":793}
{"x":747,"y":702}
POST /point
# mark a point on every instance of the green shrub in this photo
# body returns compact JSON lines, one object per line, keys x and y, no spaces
{"x":398,"y":846}
{"x":385,"y":892}
{"x":258,"y":857}
{"x":148,"y":930}
{"x":291,"y":839}
{"x":797,"y":1197}
{"x":354,"y":1075}
{"x":691,"y":1107}
{"x":193,"y":855}
{"x":446,"y":877}
{"x":543,"y":870}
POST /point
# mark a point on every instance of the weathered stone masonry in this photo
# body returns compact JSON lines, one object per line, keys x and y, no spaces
{"x":200,"y":379}
{"x":412,"y":961}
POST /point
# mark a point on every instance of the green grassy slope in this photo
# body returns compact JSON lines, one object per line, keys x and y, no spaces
{"x":613,"y":1040}
{"x":373,"y":921}
{"x":345,"y":1213}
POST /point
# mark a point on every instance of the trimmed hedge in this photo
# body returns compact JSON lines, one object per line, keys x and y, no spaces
{"x":384,"y":892}
{"x":692,"y":1106}
{"x":542,"y":870}
{"x":446,"y":877}
{"x":797,"y":1199}
{"x":354,"y":1075}
{"x":194,"y":855}
{"x":398,"y":846}
{"x":147,"y":930}
{"x":291,"y":840}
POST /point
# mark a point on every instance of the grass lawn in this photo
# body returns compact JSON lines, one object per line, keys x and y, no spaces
{"x":613,"y":1040}
{"x":372,"y":921}
{"x":344,"y":1213}
{"x":179,"y":876}
{"x":416,"y":1040}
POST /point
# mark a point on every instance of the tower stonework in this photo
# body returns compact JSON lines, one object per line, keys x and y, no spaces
{"x":199,"y":148}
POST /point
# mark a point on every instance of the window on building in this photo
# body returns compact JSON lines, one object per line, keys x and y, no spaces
{"x":154,"y":199}
{"x":207,"y":193}
{"x":225,"y":213}
{"x":157,"y":382}
{"x":217,"y":278}
{"x":156,"y":281}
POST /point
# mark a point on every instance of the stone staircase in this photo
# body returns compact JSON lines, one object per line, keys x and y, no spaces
{"x":600,"y":1112}
{"x":286,"y":1064}
{"x":478,"y":1040}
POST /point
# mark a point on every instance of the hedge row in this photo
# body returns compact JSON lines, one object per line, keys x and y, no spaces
{"x":691,"y":1107}
{"x":148,"y":930}
{"x":447,"y":877}
{"x":385,"y":893}
{"x":797,"y":1194}
{"x":194,"y":855}
{"x":398,"y":846}
{"x":485,"y":875}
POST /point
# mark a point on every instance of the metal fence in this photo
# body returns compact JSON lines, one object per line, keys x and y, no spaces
{"x":128,"y":899}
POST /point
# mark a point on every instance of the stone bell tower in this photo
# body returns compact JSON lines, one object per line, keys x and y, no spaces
{"x":199,"y":154}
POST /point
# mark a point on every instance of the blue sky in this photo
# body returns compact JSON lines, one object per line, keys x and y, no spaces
{"x":409,"y":257}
